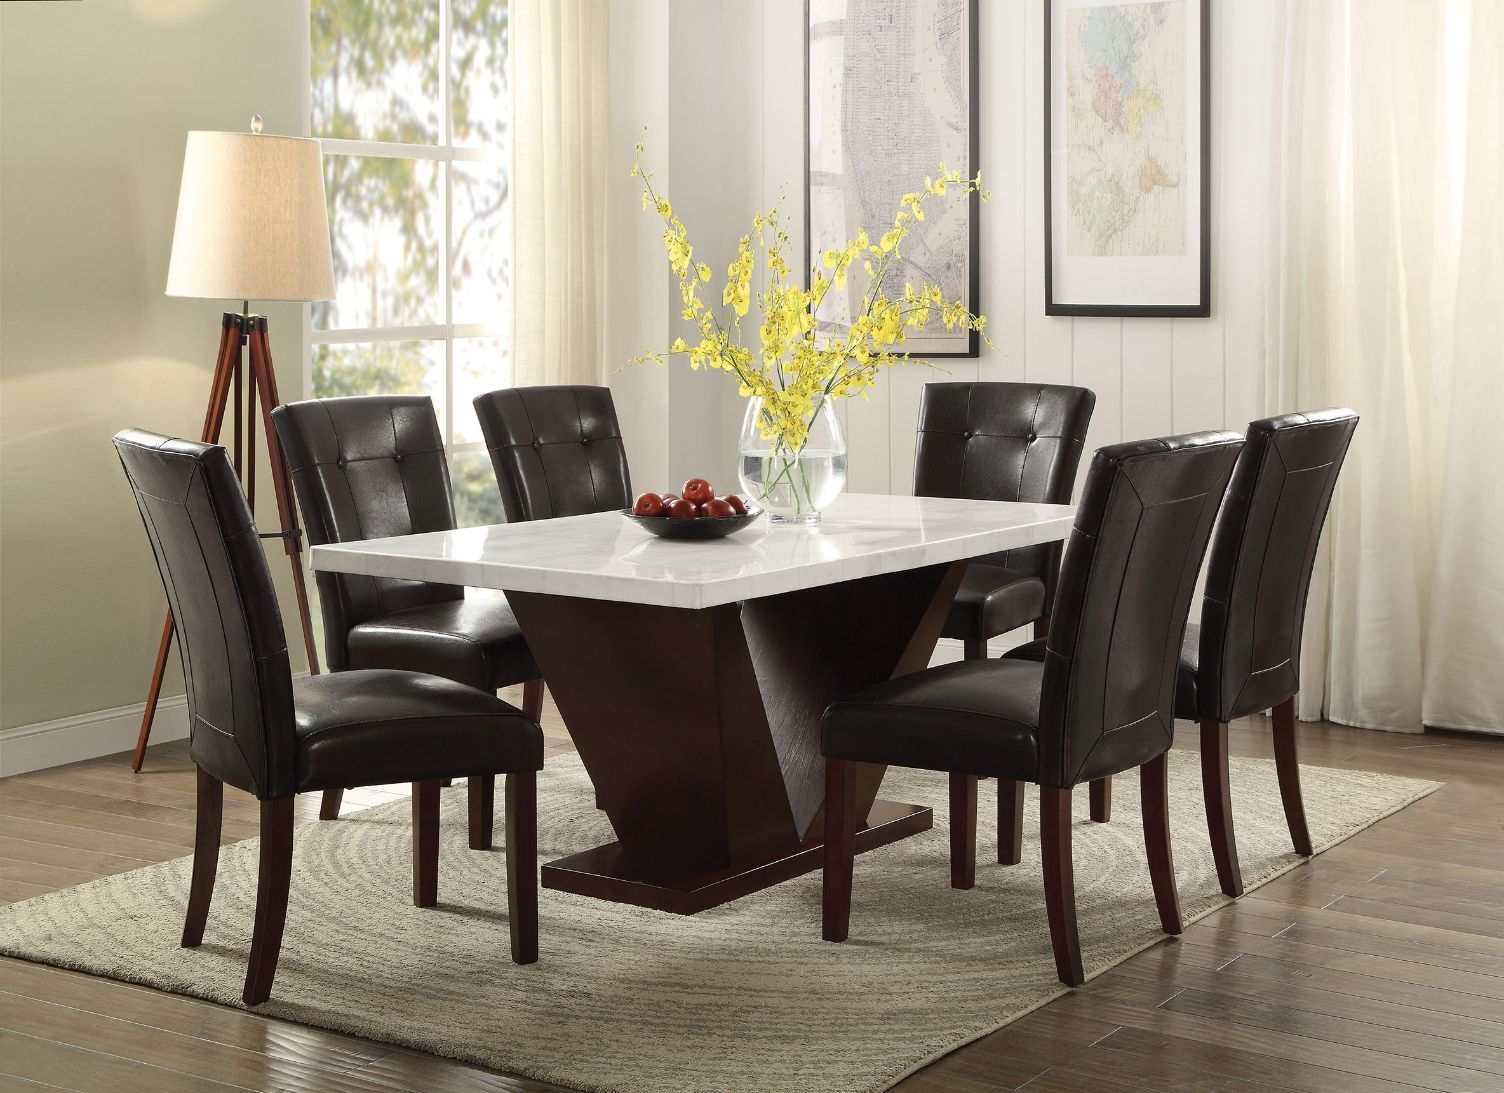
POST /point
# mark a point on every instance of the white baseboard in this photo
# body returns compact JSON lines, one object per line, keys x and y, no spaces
{"x":26,"y":748}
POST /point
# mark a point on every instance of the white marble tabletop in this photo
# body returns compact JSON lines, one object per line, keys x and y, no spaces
{"x":603,"y":556}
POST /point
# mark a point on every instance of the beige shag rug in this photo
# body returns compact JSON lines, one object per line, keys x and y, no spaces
{"x":745,"y":996}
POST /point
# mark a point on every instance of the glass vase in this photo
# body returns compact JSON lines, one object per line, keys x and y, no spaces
{"x":793,"y":486}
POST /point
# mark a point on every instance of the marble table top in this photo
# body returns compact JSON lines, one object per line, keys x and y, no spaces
{"x":605,"y":557}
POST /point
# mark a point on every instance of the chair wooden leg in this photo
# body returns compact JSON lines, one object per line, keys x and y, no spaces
{"x":1042,"y":628}
{"x":963,"y":831}
{"x":273,"y":880}
{"x":975,"y":648}
{"x":1216,"y":788}
{"x":521,"y":805}
{"x":1101,"y":800}
{"x":840,"y":848}
{"x":1060,"y":882}
{"x":532,"y":699}
{"x":482,"y":793}
{"x":426,"y":843}
{"x":1154,"y":797}
{"x":329,"y":806}
{"x":211,"y":810}
{"x":1287,"y":765}
{"x":1010,"y":821}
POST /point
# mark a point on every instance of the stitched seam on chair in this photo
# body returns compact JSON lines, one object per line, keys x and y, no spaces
{"x":537,"y":440}
{"x":426,"y":630}
{"x":545,"y":443}
{"x":580,"y":419}
{"x":1023,"y":464}
{"x":448,"y":718}
{"x":339,"y":446}
{"x":1258,"y":581}
{"x":407,"y":501}
{"x":266,"y":765}
{"x":966,"y":436}
{"x":369,"y":458}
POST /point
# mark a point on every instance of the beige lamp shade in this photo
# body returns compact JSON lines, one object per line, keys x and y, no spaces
{"x":252,"y":224}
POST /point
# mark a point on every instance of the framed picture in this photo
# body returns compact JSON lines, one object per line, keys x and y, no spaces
{"x":1127,"y":195}
{"x":890,"y":95}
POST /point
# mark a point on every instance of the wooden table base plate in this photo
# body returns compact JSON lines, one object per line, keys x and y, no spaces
{"x":610,"y":872}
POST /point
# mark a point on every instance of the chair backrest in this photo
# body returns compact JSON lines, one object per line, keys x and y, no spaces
{"x":240,"y":709}
{"x":365,"y":468}
{"x":1126,"y":581}
{"x":1003,"y":442}
{"x":1262,"y":552}
{"x":557,"y":451}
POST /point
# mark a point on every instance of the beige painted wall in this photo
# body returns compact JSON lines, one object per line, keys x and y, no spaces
{"x":95,"y":101}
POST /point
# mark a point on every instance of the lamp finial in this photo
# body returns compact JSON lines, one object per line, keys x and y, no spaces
{"x":255,"y":123}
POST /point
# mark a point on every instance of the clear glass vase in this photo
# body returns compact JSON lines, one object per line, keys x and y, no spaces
{"x":793,"y":486}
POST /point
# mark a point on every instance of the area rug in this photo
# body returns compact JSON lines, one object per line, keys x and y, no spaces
{"x":745,"y":996}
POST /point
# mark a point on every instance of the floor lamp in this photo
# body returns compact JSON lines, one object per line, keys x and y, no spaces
{"x":252,"y":225}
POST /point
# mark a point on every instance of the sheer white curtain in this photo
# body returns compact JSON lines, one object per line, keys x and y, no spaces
{"x":558,"y":51}
{"x":1387,"y":295}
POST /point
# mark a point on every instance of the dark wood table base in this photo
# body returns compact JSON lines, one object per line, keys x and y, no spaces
{"x":701,"y":728}
{"x":613,"y":873}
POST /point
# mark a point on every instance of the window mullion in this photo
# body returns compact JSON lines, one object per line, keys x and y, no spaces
{"x":446,"y":28}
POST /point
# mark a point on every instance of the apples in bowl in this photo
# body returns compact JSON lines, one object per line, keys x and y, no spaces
{"x":695,"y":512}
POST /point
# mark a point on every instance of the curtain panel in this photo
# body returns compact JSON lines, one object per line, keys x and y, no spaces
{"x":1386,"y":294}
{"x":559,"y":87}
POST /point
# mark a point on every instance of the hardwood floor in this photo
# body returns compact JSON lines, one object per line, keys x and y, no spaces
{"x":1378,"y":966}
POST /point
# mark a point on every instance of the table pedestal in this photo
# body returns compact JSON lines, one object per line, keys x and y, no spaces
{"x":701,"y":729}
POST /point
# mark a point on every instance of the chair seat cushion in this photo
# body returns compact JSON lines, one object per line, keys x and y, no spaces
{"x":375,"y":727}
{"x":474,"y":640}
{"x":1186,"y":708}
{"x":992,"y":600}
{"x":976,"y":717}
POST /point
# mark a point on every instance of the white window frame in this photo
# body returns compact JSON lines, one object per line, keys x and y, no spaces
{"x":445,"y":152}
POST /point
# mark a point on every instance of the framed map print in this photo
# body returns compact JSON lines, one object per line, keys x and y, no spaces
{"x":1127,"y":166}
{"x":890,"y":95}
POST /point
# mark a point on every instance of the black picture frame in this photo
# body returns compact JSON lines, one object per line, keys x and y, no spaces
{"x":1202,"y":306}
{"x":974,"y":205}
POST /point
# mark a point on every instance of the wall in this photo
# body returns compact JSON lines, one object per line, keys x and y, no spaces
{"x":739,"y":116}
{"x":95,"y":102}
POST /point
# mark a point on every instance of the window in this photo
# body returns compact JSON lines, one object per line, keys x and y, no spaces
{"x":410,"y":98}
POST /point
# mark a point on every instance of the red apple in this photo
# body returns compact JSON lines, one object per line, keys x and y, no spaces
{"x":738,"y":506}
{"x":698,"y":491}
{"x":717,"y":507}
{"x":649,"y":504}
{"x":681,"y":509}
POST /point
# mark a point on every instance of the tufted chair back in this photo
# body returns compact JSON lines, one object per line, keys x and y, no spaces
{"x":1125,"y":589}
{"x":1003,"y":442}
{"x":366,"y":468}
{"x":240,"y":709}
{"x":1254,"y":605}
{"x":557,"y":451}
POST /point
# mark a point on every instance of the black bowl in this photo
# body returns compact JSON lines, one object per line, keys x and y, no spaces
{"x":692,"y":527}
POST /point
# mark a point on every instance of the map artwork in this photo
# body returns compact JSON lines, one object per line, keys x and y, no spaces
{"x":1126,"y":170}
{"x":890,"y":91}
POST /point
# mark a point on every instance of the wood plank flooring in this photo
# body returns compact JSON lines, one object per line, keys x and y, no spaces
{"x":1378,"y":966}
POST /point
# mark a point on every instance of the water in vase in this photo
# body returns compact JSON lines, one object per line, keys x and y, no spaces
{"x":793,"y":489}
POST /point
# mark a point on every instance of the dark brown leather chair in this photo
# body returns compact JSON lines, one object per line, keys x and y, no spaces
{"x":1101,"y":702}
{"x":252,"y":725}
{"x":373,"y":466}
{"x":557,"y":451}
{"x":1244,"y":656}
{"x":1002,"y":442}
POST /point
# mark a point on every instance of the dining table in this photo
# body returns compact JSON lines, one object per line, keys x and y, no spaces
{"x":692,"y":674}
